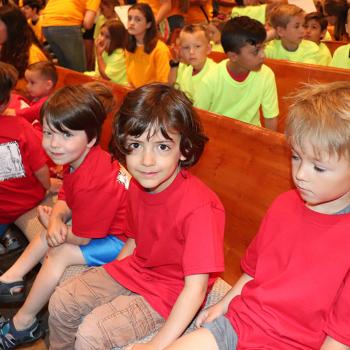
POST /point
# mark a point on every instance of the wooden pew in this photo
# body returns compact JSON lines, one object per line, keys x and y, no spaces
{"x":333,"y":45}
{"x":291,"y":75}
{"x":246,"y":166}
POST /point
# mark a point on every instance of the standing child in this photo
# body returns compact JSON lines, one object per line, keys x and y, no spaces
{"x":93,"y":196}
{"x":147,"y":57}
{"x":194,"y":49}
{"x":109,"y":50}
{"x":242,"y":83}
{"x":24,"y":174}
{"x":288,"y":22}
{"x":315,"y":30}
{"x":342,"y":53}
{"x":175,"y":236}
{"x":290,"y":296}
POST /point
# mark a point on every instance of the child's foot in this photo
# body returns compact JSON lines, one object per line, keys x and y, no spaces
{"x":10,"y":337}
{"x":44,"y":213}
{"x":12,"y":292}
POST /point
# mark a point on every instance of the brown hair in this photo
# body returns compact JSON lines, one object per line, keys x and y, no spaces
{"x":320,"y":115}
{"x":151,"y":37}
{"x":104,"y":94}
{"x":282,"y":14}
{"x":76,"y":108}
{"x":117,"y":33}
{"x":159,"y":107}
{"x":47,"y":70}
{"x":194,"y":28}
{"x":8,"y":80}
{"x":319,"y":18}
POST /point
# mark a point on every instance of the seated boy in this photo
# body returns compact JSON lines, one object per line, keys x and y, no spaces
{"x":288,"y":22}
{"x":238,"y":86}
{"x":194,"y":48}
{"x":295,"y":289}
{"x":24,"y":174}
{"x":41,"y":79}
{"x":175,"y":233}
{"x":342,"y":53}
{"x":315,"y":30}
{"x":31,"y":9}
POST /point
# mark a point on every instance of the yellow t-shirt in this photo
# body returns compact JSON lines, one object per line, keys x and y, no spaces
{"x":341,"y":57}
{"x":189,"y":83}
{"x":143,"y":68}
{"x":257,"y":12}
{"x":67,"y":12}
{"x":154,"y":4}
{"x":220,"y":93}
{"x":115,"y":67}
{"x":216,"y":47}
{"x":307,"y":52}
{"x":37,"y":28}
{"x":36,"y":55}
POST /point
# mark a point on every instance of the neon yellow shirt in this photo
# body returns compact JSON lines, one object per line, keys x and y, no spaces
{"x":187,"y":82}
{"x":257,"y":12}
{"x":220,"y":93}
{"x":341,"y":57}
{"x":216,"y":47}
{"x":324,"y":54}
{"x":143,"y":68}
{"x":307,"y":52}
{"x":67,"y":12}
{"x":115,"y":67}
{"x":100,"y":21}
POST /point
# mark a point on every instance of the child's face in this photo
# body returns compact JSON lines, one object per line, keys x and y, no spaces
{"x":154,"y":163}
{"x":313,"y":31}
{"x":214,"y":33}
{"x":137,"y":24}
{"x":194,"y":48}
{"x":105,"y":38}
{"x":107,"y":9}
{"x":293,"y":34}
{"x":250,"y":58}
{"x":28,"y":11}
{"x":70,"y":147}
{"x":323,"y":182}
{"x":37,"y":86}
{"x":3,"y":33}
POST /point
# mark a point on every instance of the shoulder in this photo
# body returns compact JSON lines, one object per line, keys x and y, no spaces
{"x":161,"y":46}
{"x":341,"y":50}
{"x":308,"y":45}
{"x":287,"y":202}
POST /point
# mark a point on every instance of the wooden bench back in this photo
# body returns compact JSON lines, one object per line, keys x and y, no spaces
{"x":291,"y":75}
{"x":333,"y":45}
{"x":245,"y":165}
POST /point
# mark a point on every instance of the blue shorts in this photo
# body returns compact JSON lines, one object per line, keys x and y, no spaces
{"x":101,"y":251}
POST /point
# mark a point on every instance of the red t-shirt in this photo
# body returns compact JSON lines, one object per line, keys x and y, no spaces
{"x":178,"y":232}
{"x":96,"y":194}
{"x":300,"y":293}
{"x":32,"y":112}
{"x":21,"y":155}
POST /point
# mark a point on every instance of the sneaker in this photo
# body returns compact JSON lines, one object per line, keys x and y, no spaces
{"x":10,"y":337}
{"x":12,"y":292}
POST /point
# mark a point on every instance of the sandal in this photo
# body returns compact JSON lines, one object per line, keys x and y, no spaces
{"x":12,"y":292}
{"x":10,"y":337}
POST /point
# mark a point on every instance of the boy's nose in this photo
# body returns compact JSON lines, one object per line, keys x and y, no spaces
{"x":148,"y":158}
{"x":54,"y":142}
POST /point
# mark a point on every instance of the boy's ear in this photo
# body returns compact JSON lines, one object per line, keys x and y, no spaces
{"x":92,"y":142}
{"x":209,"y":48}
{"x":148,"y":25}
{"x":324,"y":31}
{"x":280,"y":31}
{"x":182,"y":158}
{"x":232,"y":56}
{"x":49,"y":85}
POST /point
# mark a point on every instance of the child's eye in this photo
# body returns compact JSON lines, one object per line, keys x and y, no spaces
{"x":47,"y":132}
{"x":319,"y":169}
{"x":67,"y":135}
{"x":134,"y":145}
{"x":164,"y":147}
{"x":295,"y":156}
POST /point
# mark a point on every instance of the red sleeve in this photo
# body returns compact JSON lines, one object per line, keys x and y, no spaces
{"x":339,"y":319}
{"x":30,"y":113}
{"x":204,"y":235}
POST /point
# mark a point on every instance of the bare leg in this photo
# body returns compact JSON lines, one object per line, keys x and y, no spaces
{"x":55,"y":263}
{"x":201,"y":338}
{"x":34,"y":252}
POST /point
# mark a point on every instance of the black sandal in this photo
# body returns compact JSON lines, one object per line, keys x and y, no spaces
{"x":12,"y":292}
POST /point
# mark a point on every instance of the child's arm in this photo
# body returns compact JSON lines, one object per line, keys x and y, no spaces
{"x":182,"y":313}
{"x":172,"y":75}
{"x":100,"y":62}
{"x":271,"y":123}
{"x":331,"y":344}
{"x":43,"y":176}
{"x":164,"y":10}
{"x":127,"y":249}
{"x":221,"y":307}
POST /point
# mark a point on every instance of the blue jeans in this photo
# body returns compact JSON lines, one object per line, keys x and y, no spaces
{"x":3,"y":228}
{"x":67,"y":44}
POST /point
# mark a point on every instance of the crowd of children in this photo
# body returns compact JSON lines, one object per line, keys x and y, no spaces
{"x":153,"y":232}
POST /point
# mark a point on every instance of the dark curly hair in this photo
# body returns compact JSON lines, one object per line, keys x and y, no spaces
{"x":158,"y":107}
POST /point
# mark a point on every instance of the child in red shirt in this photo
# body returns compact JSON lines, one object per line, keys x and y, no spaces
{"x":93,"y":196}
{"x":175,"y":231}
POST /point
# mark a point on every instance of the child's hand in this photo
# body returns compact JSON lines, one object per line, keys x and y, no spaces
{"x":44,"y":213}
{"x":210,"y":314}
{"x":175,"y":52}
{"x":100,"y":46}
{"x":55,"y":186}
{"x":56,"y":232}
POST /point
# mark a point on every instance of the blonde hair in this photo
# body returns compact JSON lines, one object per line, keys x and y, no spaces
{"x":320,"y":115}
{"x":194,"y":28}
{"x":282,"y":14}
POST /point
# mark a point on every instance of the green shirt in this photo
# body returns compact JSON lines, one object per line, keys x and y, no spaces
{"x":220,"y":93}
{"x":307,"y":52}
{"x":257,"y":12}
{"x":341,"y":57}
{"x":324,"y":55}
{"x":189,"y":83}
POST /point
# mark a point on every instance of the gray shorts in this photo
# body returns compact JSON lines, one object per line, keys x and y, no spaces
{"x":223,"y":332}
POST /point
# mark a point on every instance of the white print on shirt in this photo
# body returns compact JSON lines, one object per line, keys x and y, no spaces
{"x":123,"y":178}
{"x":11,"y":166}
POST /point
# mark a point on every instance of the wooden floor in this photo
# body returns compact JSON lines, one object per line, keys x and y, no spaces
{"x":194,"y":15}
